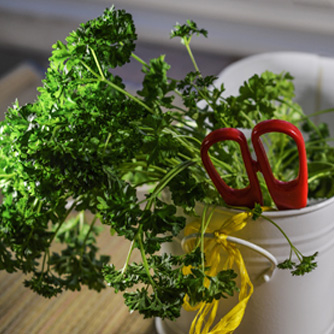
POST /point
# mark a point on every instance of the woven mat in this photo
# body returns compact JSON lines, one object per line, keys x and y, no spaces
{"x":84,"y":312}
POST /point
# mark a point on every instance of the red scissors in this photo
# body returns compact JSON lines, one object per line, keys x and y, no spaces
{"x":286,"y":195}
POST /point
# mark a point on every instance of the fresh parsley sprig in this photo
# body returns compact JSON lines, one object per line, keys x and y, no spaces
{"x":305,"y":263}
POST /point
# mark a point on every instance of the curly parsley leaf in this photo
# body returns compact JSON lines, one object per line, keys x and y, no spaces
{"x":187,"y":30}
{"x":169,"y":285}
{"x":306,"y":265}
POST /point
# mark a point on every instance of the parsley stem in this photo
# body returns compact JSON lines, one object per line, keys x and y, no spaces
{"x":202,"y":237}
{"x":249,"y":120}
{"x":202,"y":93}
{"x":97,"y":63}
{"x":205,"y":222}
{"x":82,"y":215}
{"x":133,"y":167}
{"x":183,"y":156}
{"x":106,"y":143}
{"x":312,"y":144}
{"x":91,"y":71}
{"x":186,"y":125}
{"x":64,"y":218}
{"x":29,"y":237}
{"x":187,"y":45}
{"x":301,"y":114}
{"x":119,"y":89}
{"x":166,"y":179}
{"x":134,"y":56}
{"x":320,"y":175}
{"x":141,"y":61}
{"x":196,"y":151}
{"x":317,"y":113}
{"x":279,"y":228}
{"x":143,"y":256}
{"x":5,"y":176}
{"x":187,"y":137}
{"x":209,"y":218}
{"x":46,"y":253}
{"x":127,"y":261}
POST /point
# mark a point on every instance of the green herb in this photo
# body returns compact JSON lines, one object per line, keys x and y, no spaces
{"x":305,"y":263}
{"x":87,"y":144}
{"x":169,"y":284}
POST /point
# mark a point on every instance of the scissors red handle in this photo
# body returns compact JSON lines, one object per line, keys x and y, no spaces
{"x":286,"y":195}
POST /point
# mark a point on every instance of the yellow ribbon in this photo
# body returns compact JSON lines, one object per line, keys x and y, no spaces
{"x":206,"y":314}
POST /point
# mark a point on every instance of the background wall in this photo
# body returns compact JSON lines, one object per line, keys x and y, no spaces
{"x":238,"y":27}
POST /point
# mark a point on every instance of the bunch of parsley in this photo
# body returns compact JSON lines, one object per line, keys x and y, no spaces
{"x":88,"y":145}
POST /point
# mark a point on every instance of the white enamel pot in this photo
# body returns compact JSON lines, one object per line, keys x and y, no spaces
{"x":281,"y":303}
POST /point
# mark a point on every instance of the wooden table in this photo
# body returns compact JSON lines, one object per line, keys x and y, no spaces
{"x":84,"y":312}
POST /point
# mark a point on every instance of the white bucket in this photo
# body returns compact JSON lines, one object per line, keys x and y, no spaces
{"x":284,"y":304}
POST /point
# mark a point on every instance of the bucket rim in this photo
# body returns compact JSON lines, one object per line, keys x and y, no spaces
{"x":303,"y":211}
{"x":274,"y":213}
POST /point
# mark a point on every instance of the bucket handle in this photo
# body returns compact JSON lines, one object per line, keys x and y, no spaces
{"x":267,"y":275}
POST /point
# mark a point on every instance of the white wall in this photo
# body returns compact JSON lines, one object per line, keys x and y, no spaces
{"x":237,"y":27}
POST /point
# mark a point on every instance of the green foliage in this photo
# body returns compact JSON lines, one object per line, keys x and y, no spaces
{"x":187,"y":30}
{"x":156,"y":84}
{"x":221,"y":286}
{"x":258,"y":100}
{"x":321,"y":161}
{"x":170,"y":285}
{"x":257,"y":211}
{"x":306,"y":264}
{"x":87,"y":144}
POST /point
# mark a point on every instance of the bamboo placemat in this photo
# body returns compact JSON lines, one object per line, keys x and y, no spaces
{"x":84,"y":312}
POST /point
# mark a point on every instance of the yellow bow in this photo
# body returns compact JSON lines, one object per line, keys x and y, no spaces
{"x":206,"y":314}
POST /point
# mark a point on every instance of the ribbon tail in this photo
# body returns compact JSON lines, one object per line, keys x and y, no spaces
{"x":202,"y":320}
{"x":233,"y":318}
